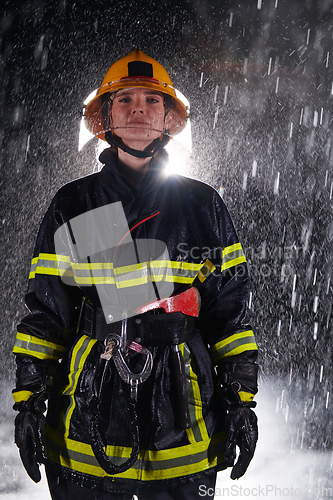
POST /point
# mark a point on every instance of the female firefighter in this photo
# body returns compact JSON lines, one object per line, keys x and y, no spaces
{"x":138,"y":347}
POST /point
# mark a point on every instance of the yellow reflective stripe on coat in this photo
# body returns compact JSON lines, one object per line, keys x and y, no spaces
{"x":79,"y":356}
{"x":49,"y":263}
{"x":232,"y":256}
{"x":198,"y":427}
{"x":20,"y":396}
{"x":235,"y":344}
{"x":246,"y":397}
{"x":85,"y":273}
{"x":150,"y":465}
{"x":99,"y":273}
{"x":29,"y":345}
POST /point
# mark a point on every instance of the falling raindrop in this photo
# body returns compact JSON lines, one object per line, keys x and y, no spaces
{"x":225,"y":95}
{"x":201,"y":79}
{"x":27,"y":147}
{"x":276,"y":184}
{"x":282,"y":399}
{"x":301,"y":117}
{"x":269,"y":66}
{"x":329,"y":316}
{"x":291,"y":130}
{"x":244,"y":181}
{"x":279,"y":328}
{"x":315,"y":304}
{"x":286,"y":414}
{"x":283,"y":234}
{"x":315,"y":119}
{"x":39,"y":47}
{"x":44,"y":58}
{"x":277,"y":85}
{"x":308,"y":37}
{"x":315,"y":330}
{"x":313,"y":403}
{"x":216,"y":92}
{"x":250,"y":300}
{"x":216,"y":117}
{"x":299,"y":303}
{"x":321,"y":373}
{"x":230,"y":19}
{"x":254,"y":168}
{"x":293,"y":295}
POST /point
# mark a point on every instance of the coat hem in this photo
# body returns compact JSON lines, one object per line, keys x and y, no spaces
{"x":114,"y":485}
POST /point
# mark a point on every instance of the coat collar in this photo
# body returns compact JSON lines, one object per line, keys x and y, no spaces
{"x":147,"y":193}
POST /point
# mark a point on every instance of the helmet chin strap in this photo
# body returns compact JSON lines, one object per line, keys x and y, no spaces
{"x":150,"y":151}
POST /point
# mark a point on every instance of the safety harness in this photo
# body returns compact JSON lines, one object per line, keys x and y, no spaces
{"x":170,"y":328}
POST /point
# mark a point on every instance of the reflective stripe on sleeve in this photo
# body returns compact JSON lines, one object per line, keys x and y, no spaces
{"x":232,"y":256}
{"x":235,"y":344}
{"x":28,"y":345}
{"x":246,"y":397}
{"x":49,"y":263}
{"x":20,"y":396}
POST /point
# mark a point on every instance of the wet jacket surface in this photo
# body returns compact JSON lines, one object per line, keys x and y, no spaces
{"x":64,"y":329}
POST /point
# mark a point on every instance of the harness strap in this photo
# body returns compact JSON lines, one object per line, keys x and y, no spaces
{"x":97,"y":441}
{"x":153,"y":328}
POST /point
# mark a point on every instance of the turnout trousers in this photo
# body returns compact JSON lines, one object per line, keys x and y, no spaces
{"x":64,"y":489}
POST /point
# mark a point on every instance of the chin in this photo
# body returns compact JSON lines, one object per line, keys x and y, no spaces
{"x":138,"y":141}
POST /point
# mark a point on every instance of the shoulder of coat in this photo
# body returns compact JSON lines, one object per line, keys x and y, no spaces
{"x":193,"y":186}
{"x":76,"y":186}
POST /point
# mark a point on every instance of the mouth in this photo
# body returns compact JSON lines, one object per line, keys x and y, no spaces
{"x":138,"y":122}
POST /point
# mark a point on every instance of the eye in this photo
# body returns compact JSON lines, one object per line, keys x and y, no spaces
{"x":123,"y":99}
{"x":153,"y":100}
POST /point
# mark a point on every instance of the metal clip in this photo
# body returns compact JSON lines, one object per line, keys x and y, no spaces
{"x":113,"y":349}
{"x":127,"y":375}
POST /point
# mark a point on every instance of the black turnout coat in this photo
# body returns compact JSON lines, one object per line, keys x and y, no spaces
{"x":191,"y":241}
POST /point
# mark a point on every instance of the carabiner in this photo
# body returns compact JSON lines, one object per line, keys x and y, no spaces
{"x":113,"y":349}
{"x":134,"y":379}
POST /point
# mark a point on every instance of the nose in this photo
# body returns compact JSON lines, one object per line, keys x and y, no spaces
{"x":138,"y":106}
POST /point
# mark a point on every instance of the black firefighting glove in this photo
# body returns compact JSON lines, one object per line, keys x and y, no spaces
{"x":241,"y":422}
{"x":29,"y":433}
{"x":31,"y":384}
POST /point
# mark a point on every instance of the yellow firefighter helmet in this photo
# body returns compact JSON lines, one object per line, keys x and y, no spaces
{"x":135,"y":70}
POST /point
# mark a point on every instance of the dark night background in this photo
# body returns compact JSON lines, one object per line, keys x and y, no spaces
{"x":270,"y":152}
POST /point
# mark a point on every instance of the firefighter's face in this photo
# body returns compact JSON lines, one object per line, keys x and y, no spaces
{"x":138,"y":116}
